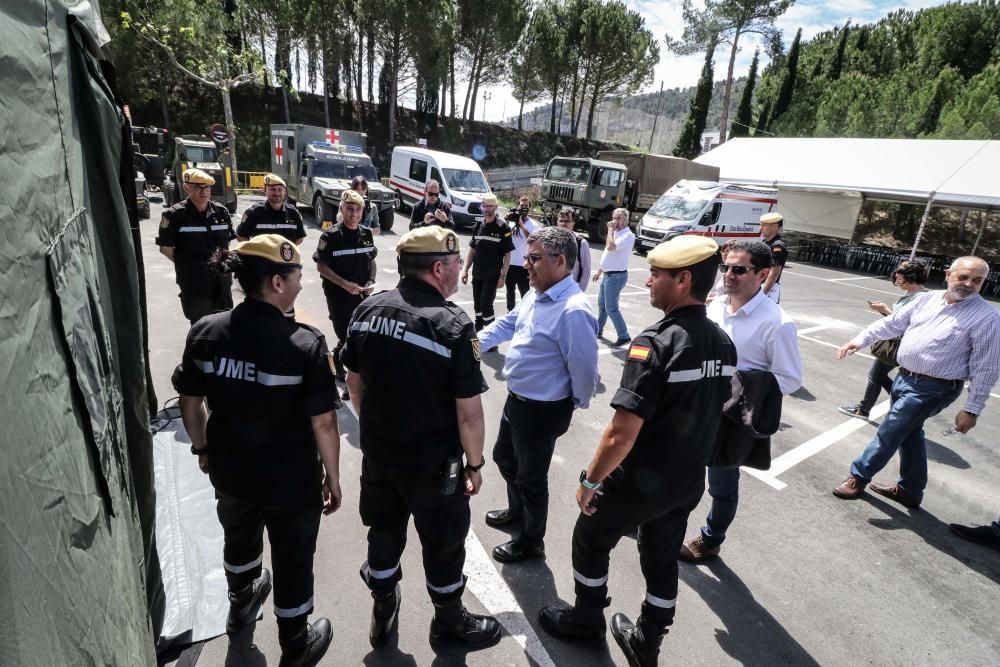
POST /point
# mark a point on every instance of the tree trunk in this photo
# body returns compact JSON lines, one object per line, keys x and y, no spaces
{"x":574,"y":89}
{"x":362,"y":123}
{"x":263,"y":58}
{"x":371,"y":68}
{"x":451,"y":66}
{"x":552,"y":111}
{"x":468,"y":91}
{"x":724,"y":121}
{"x":961,"y":225}
{"x":443,"y":107}
{"x":592,"y":112}
{"x":227,"y":110}
{"x":164,"y":109}
{"x":579,"y":104}
{"x":475,"y":96}
{"x":520,"y":114}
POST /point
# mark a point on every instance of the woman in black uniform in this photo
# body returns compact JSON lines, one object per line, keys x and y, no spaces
{"x":272,"y":405}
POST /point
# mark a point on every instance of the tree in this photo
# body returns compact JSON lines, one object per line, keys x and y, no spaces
{"x":743,"y":121}
{"x":729,"y":20}
{"x":837,"y":64}
{"x":193,"y":37}
{"x":548,"y":30}
{"x":525,"y":73}
{"x":689,"y":144}
{"x":489,"y":30}
{"x":788,"y":83}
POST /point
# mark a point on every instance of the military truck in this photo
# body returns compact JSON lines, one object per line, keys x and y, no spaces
{"x":318,"y":163}
{"x":194,"y":151}
{"x":594,"y":188}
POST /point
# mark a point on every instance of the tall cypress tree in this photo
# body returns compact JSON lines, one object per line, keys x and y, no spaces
{"x":764,"y":119}
{"x":743,"y":119}
{"x":689,"y":144}
{"x":837,"y":64}
{"x":788,"y":83}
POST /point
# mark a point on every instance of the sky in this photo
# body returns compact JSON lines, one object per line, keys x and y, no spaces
{"x":664,"y":16}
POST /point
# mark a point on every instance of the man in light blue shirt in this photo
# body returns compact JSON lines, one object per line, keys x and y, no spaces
{"x":551,"y":368}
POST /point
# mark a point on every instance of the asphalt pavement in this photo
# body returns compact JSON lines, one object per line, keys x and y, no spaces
{"x":803,"y":579}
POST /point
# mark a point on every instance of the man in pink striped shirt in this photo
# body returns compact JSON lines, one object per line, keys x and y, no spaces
{"x":948,"y":337}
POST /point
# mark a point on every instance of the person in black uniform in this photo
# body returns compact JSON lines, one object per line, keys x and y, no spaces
{"x":273,"y":216}
{"x":489,"y":258}
{"x":431,"y":210}
{"x":770,"y":227}
{"x":412,"y":447}
{"x":345,"y":258}
{"x":272,"y":404}
{"x":649,"y":468}
{"x":190,"y":232}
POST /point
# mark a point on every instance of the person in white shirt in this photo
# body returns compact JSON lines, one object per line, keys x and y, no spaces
{"x":766,"y":340}
{"x":520,"y":230}
{"x":614,"y":268}
{"x":581,"y":272}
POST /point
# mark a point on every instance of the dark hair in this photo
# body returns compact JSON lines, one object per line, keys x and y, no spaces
{"x":411,"y":266}
{"x":760,"y":253}
{"x":911,"y":272}
{"x":358,"y":181}
{"x":251,"y":272}
{"x":727,"y":246}
{"x":703,"y":275}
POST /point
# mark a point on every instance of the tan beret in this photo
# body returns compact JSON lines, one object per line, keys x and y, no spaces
{"x":489,"y":199}
{"x":682,"y":251}
{"x":352,"y":197}
{"x":197,"y":177}
{"x":769,"y":218}
{"x":273,"y":179}
{"x":271,"y":247}
{"x":430,"y":240}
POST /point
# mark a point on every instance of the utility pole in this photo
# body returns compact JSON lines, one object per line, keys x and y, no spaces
{"x":487,"y":96}
{"x":655,"y":118}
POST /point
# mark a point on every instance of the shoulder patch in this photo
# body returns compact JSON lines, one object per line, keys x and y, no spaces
{"x":333,"y":364}
{"x":638,"y":353}
{"x":777,"y":248}
{"x":246,"y":214}
{"x":322,"y":243}
{"x":477,"y":349}
{"x":164,"y":222}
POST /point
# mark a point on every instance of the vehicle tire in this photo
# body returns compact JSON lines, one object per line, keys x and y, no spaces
{"x":403,"y":206}
{"x":168,"y":194}
{"x":386,"y":217}
{"x":231,"y":206}
{"x":597,"y":230}
{"x":321,"y":212}
{"x":144,"y":211}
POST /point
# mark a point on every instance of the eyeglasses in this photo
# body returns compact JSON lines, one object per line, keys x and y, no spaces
{"x":535,"y":259}
{"x":735,"y":268}
{"x":458,"y":260}
{"x":433,"y":194}
{"x":200,"y":188}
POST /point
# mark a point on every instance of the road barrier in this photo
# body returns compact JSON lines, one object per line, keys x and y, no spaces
{"x":514,"y":178}
{"x":250,"y":182}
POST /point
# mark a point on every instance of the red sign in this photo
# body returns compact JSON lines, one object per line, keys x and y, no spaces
{"x":278,"y":151}
{"x":333,"y":136}
{"x":219,"y":132}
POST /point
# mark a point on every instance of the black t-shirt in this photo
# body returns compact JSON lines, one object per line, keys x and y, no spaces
{"x":779,"y":252}
{"x":422,"y":208}
{"x":416,"y":353}
{"x":262,"y":218}
{"x":265,"y":376}
{"x":677,"y":377}
{"x":491,"y":241}
{"x":194,"y":236}
{"x":349,"y":253}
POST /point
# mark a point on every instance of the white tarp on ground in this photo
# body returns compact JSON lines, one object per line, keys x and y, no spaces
{"x":962,"y":174}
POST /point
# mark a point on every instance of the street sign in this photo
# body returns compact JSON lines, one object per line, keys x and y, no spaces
{"x":220,"y":133}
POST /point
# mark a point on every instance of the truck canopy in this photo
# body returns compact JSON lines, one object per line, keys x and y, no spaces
{"x":655,"y":173}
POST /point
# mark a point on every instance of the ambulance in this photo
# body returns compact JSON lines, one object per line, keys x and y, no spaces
{"x":721,"y":211}
{"x":462,"y":181}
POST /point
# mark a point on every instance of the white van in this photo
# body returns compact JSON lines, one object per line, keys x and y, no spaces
{"x":706,"y":208}
{"x":462,"y":181}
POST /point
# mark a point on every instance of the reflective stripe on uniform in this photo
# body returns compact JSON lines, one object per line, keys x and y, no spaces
{"x":486,"y":238}
{"x":204,"y":366}
{"x":706,"y":371}
{"x":239,"y":569}
{"x":728,"y":371}
{"x":444,"y":590}
{"x":304,"y":608}
{"x":378,"y":574}
{"x":202,"y":228}
{"x":587,"y":581}
{"x":352,"y":251}
{"x":660,"y":602}
{"x":270,"y":380}
{"x":359,"y":326}
{"x":426,"y":343}
{"x":276,"y":226}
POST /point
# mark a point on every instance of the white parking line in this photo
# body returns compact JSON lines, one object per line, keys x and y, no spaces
{"x":834,"y":280}
{"x":844,"y":280}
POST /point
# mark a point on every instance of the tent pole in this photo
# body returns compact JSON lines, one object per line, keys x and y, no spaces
{"x":982,"y":226}
{"x":920,"y":229}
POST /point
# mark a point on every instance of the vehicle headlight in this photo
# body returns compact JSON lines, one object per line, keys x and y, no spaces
{"x":458,"y":202}
{"x":681,"y":228}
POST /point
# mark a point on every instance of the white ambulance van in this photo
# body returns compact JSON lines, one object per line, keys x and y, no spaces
{"x":462,"y":181}
{"x":718,"y":210}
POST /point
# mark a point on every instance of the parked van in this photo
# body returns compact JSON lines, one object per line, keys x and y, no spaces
{"x":462,"y":181}
{"x":706,"y":208}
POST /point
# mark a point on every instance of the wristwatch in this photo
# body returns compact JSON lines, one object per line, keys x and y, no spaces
{"x":587,"y":484}
{"x":199,"y":452}
{"x":472,"y":468}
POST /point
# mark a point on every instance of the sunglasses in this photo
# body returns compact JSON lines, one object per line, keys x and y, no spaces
{"x":433,"y":194}
{"x":735,"y":268}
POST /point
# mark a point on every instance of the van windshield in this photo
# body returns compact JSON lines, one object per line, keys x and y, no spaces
{"x":199,"y":154}
{"x":673,"y":207}
{"x":465,"y":180}
{"x":574,"y":171}
{"x":325,"y":169}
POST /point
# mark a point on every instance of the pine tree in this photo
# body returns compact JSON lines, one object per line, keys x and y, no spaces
{"x":743,"y":120}
{"x":689,"y":144}
{"x":788,"y":83}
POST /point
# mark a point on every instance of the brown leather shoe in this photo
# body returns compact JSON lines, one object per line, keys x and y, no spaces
{"x":893,"y":492}
{"x":851,"y":488}
{"x":696,"y":550}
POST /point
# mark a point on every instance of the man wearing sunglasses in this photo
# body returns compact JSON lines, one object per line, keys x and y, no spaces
{"x":766,"y":340}
{"x":431,"y":210}
{"x":190,"y":232}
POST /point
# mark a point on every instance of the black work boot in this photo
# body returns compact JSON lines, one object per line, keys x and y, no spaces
{"x":385,"y":615}
{"x":244,"y":605}
{"x":454,"y":625}
{"x":307,"y":646}
{"x":583,"y":622}
{"x":640,"y":642}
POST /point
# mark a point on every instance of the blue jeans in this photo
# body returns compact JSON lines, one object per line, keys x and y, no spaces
{"x":724,"y":487}
{"x":914,"y":400}
{"x":607,"y":303}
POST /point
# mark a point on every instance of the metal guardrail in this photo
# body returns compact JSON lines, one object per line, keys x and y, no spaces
{"x":514,"y":177}
{"x":250,"y":181}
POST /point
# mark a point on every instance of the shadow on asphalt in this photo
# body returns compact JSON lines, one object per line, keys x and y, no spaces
{"x":945,"y":456}
{"x":803,"y":394}
{"x":751,"y":636}
{"x":389,"y":654}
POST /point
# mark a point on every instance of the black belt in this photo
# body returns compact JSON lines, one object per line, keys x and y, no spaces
{"x":531,"y":401}
{"x":611,"y":273}
{"x":921,"y":376}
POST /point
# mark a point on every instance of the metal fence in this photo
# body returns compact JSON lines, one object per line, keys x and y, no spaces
{"x":250,"y":181}
{"x":514,"y":178}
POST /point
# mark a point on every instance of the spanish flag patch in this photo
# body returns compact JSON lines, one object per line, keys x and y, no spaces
{"x":638,"y":353}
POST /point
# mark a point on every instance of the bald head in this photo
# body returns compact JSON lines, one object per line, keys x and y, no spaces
{"x":965,"y":278}
{"x":970,"y":262}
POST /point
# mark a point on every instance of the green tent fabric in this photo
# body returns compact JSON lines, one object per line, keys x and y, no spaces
{"x":78,"y":575}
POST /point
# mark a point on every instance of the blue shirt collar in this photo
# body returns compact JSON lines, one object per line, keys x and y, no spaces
{"x":558,"y":291}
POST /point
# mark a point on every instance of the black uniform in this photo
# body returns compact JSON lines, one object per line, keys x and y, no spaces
{"x":194,"y":236}
{"x":779,"y":255}
{"x":491,"y":241}
{"x":677,"y":377}
{"x":413,"y":332}
{"x":350,"y":253}
{"x":422,"y":208}
{"x":262,"y":218}
{"x":264,"y":376}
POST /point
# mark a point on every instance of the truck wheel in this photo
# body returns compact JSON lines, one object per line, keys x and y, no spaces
{"x":320,"y":211}
{"x":168,"y":194}
{"x":231,"y":206}
{"x":386,"y":217}
{"x":597,"y":229}
{"x":144,"y":211}
{"x":403,"y":206}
